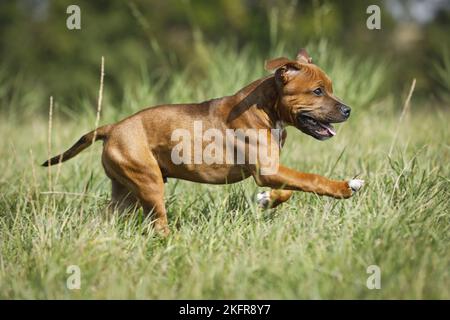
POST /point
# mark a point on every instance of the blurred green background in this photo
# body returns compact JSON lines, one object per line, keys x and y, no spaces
{"x":138,"y":38}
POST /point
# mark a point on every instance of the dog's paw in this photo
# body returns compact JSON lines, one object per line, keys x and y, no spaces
{"x":263,"y":199}
{"x":355,"y":185}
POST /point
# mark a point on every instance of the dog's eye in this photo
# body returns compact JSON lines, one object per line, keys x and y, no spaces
{"x":318,"y":92}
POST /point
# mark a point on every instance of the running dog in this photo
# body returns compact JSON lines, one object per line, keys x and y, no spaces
{"x":138,"y":150}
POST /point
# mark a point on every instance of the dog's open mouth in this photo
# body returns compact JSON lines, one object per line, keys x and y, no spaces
{"x":315,"y":128}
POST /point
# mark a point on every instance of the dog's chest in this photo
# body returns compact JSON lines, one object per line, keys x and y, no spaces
{"x":280,"y":125}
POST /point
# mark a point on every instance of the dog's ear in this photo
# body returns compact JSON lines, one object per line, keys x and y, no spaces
{"x":285,"y":68}
{"x":287,"y":72}
{"x":277,"y":63}
{"x":303,"y":56}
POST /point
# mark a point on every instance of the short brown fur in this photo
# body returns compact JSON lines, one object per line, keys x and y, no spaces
{"x":137,"y":150}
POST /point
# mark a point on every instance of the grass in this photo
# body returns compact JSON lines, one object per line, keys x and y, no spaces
{"x":221,"y":245}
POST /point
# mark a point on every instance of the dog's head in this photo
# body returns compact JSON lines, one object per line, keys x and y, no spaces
{"x":306,"y":98}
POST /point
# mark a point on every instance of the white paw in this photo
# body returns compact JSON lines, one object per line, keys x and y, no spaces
{"x":355,"y":184}
{"x":263,"y":199}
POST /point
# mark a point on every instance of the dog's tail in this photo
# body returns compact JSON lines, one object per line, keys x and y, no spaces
{"x":84,"y":142}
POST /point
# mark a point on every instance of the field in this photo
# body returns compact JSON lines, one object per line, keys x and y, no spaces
{"x":221,"y":245}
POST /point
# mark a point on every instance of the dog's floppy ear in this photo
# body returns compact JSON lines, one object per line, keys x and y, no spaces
{"x":277,"y":63}
{"x":285,"y":68}
{"x":287,"y":72}
{"x":303,"y":56}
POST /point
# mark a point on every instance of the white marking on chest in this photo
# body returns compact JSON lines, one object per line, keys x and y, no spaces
{"x":280,"y":125}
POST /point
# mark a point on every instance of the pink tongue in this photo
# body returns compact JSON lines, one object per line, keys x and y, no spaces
{"x":329,"y":129}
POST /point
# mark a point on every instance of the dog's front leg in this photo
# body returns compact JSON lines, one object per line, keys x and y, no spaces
{"x":273,"y":198}
{"x":289,"y":179}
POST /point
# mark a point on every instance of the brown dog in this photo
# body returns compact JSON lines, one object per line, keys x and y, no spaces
{"x":138,"y":152}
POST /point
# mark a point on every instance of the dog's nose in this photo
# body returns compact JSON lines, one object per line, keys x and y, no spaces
{"x":345,"y":110}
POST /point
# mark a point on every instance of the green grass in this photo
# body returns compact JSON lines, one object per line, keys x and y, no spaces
{"x":221,"y":245}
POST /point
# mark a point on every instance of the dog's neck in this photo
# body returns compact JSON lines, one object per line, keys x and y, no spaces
{"x":257,"y":103}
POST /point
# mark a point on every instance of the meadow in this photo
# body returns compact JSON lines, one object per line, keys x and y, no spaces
{"x":221,"y":245}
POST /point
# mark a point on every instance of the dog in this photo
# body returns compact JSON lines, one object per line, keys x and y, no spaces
{"x":138,"y":150}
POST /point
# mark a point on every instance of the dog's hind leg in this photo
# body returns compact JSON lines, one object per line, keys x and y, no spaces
{"x":273,"y":198}
{"x":138,"y":172}
{"x":122,"y":199}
